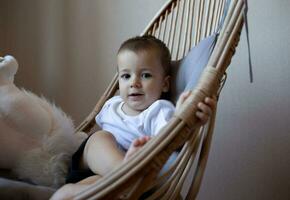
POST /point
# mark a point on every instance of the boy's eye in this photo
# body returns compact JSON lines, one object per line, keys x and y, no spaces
{"x":125,"y":76}
{"x":146,"y":75}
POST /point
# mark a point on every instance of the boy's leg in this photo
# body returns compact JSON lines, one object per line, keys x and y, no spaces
{"x":101,"y":153}
{"x":68,"y":191}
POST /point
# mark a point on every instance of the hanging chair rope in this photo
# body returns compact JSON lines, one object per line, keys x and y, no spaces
{"x":248,"y":41}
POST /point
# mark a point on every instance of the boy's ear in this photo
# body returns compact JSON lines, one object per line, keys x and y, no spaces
{"x":166,"y":84}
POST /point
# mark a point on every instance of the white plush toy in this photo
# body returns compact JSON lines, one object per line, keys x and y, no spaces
{"x":37,"y":138}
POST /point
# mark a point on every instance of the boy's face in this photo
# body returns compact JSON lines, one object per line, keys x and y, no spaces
{"x":141,"y":79}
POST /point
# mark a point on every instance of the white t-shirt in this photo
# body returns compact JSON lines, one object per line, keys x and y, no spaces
{"x":126,"y":128}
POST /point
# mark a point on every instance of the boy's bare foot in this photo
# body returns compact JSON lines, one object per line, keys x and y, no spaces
{"x":136,"y":145}
{"x":69,"y":191}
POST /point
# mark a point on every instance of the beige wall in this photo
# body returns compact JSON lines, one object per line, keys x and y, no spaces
{"x":66,"y":51}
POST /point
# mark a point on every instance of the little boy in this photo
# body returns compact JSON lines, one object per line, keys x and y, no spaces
{"x":128,"y":121}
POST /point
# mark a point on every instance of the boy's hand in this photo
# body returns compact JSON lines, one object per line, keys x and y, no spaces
{"x":205,"y":107}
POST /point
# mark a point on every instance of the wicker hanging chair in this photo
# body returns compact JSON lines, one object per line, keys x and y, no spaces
{"x":181,"y":24}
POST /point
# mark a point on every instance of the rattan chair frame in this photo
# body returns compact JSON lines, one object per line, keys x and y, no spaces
{"x":181,"y":24}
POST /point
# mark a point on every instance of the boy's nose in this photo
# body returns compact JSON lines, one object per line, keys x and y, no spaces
{"x":136,"y":82}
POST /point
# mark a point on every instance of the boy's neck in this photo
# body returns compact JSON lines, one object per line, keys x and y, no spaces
{"x":128,"y":111}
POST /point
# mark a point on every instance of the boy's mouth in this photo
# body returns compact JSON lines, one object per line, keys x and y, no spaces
{"x":135,"y":94}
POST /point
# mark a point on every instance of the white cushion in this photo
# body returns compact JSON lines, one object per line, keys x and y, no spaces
{"x":186,"y":72}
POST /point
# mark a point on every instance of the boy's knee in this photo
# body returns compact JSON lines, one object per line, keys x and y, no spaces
{"x":98,"y":139}
{"x":102,"y":135}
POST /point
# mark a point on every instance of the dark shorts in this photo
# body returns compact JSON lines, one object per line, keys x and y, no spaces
{"x":75,"y":174}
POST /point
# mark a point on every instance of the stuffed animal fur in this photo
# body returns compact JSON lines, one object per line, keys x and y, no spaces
{"x":37,"y":139}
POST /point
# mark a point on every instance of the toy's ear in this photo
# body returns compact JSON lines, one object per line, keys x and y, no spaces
{"x":8,"y":68}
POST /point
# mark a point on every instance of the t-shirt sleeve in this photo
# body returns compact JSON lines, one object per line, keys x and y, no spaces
{"x":159,"y":115}
{"x":105,"y":110}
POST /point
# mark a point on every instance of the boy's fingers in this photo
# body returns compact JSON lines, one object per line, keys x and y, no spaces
{"x":142,"y":140}
{"x":187,"y":93}
{"x":184,"y":95}
{"x":203,"y":117}
{"x":136,"y":142}
{"x":182,"y":98}
{"x":204,"y":108}
{"x":210,"y":101}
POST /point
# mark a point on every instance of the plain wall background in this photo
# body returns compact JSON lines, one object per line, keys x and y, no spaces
{"x":67,"y":52}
